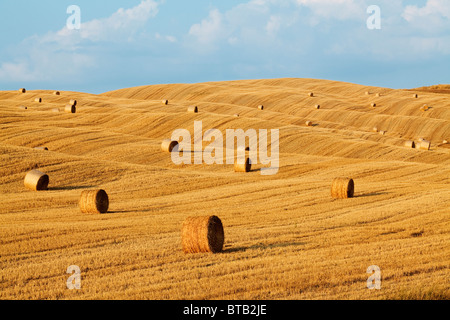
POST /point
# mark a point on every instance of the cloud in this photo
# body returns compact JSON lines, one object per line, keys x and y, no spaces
{"x":209,"y":29}
{"x":434,"y":17}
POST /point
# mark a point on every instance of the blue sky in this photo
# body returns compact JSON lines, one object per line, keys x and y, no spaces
{"x":139,"y":42}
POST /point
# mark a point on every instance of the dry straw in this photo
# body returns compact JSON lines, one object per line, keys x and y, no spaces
{"x":22,"y":90}
{"x":261,"y":107}
{"x":56,"y":93}
{"x":308,"y":123}
{"x":410,"y":144}
{"x":242,"y":167}
{"x":367,"y":93}
{"x":23,"y":108}
{"x":41,"y":148}
{"x":378,"y":95}
{"x":36,"y":180}
{"x":444,"y":141}
{"x":373,"y":105}
{"x":193,"y":109}
{"x":202,"y":235}
{"x":165,"y":102}
{"x":168,"y":145}
{"x":415,"y":95}
{"x":342,"y":188}
{"x":382,"y":133}
{"x":317,"y":106}
{"x":425,"y":145}
{"x":236,"y":115}
{"x":375,"y":129}
{"x":94,"y":201}
{"x":70,"y":109}
{"x":311,"y":94}
{"x":424,"y":107}
{"x":38,"y":100}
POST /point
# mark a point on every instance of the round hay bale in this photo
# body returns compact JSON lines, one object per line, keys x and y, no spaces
{"x":367,"y":93}
{"x":36,"y":180}
{"x":373,"y":105}
{"x":22,"y":90}
{"x":41,"y":148}
{"x":424,"y":107}
{"x":425,"y":145}
{"x":192,"y":109}
{"x":378,"y":94}
{"x":202,"y":235}
{"x":168,"y":145}
{"x":410,"y":144}
{"x":415,"y":95}
{"x":236,"y":115}
{"x":73,"y":102}
{"x":444,"y":141}
{"x":308,"y":123}
{"x":23,"y":108}
{"x":70,"y":109}
{"x":342,"y":188}
{"x":94,"y":201}
{"x":56,"y":110}
{"x":317,"y":106}
{"x":38,"y":100}
{"x":382,"y":133}
{"x":311,"y":94}
{"x":260,"y":107}
{"x":56,"y":93}
{"x":165,"y":102}
{"x":243,"y":167}
{"x":375,"y":129}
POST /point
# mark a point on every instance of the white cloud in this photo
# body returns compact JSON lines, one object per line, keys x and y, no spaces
{"x":209,"y":29}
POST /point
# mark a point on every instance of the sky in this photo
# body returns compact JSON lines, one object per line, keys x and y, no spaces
{"x":121,"y":44}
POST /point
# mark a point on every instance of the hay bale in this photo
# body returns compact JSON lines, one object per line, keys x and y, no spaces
{"x":165,"y":102}
{"x":192,"y":109}
{"x":243,"y":167}
{"x":73,"y":102}
{"x":202,"y":235}
{"x":41,"y":148}
{"x":236,"y":115}
{"x":424,"y":107}
{"x":367,"y":93}
{"x":70,"y":109}
{"x":38,"y":100}
{"x":36,"y":180}
{"x":168,"y":145}
{"x":382,"y":133}
{"x":56,"y":93}
{"x":22,"y":90}
{"x":261,"y":107}
{"x":415,"y":95}
{"x":94,"y":201}
{"x":23,"y":108}
{"x":378,"y":95}
{"x":311,"y":94}
{"x":317,"y":106}
{"x":308,"y":123}
{"x":373,"y":105}
{"x":375,"y":129}
{"x":342,"y":188}
{"x":56,"y":110}
{"x":425,"y":145}
{"x":410,"y":144}
{"x":444,"y":141}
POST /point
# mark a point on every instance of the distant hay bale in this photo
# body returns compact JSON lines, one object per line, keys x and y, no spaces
{"x":415,"y":95}
{"x":192,"y":109}
{"x":56,"y":110}
{"x":243,"y":167}
{"x":73,"y":102}
{"x":260,"y":107}
{"x":202,"y":235}
{"x":373,"y":105}
{"x":165,"y":102}
{"x":70,"y":109}
{"x":168,"y":145}
{"x":317,"y":106}
{"x":311,"y":94}
{"x":424,"y":107}
{"x":41,"y":148}
{"x":444,"y":141}
{"x":308,"y":123}
{"x":367,"y":93}
{"x":236,"y":115}
{"x":56,"y":93}
{"x":36,"y":180}
{"x":94,"y":201}
{"x":38,"y":100}
{"x":375,"y":129}
{"x":410,"y":144}
{"x":23,"y":108}
{"x":378,"y":95}
{"x":342,"y":188}
{"x":425,"y":145}
{"x":22,"y":90}
{"x":382,"y":133}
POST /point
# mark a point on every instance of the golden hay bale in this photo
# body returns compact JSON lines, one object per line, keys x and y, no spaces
{"x":23,"y":108}
{"x":168,"y":145}
{"x":236,"y":115}
{"x":373,"y":105}
{"x":367,"y":93}
{"x":165,"y":102}
{"x":56,"y":93}
{"x":415,"y":95}
{"x":425,"y":145}
{"x":410,"y":144}
{"x":311,"y":94}
{"x":308,"y":123}
{"x":317,"y":106}
{"x":375,"y":129}
{"x":192,"y":109}
{"x":70,"y":109}
{"x":424,"y":107}
{"x":382,"y":133}
{"x":56,"y":110}
{"x":94,"y":201}
{"x":73,"y":102}
{"x":38,"y":100}
{"x":41,"y":148}
{"x":260,"y":107}
{"x":378,"y":95}
{"x":36,"y":180}
{"x":202,"y":235}
{"x":444,"y":141}
{"x":243,"y":167}
{"x":342,"y":188}
{"x":22,"y":90}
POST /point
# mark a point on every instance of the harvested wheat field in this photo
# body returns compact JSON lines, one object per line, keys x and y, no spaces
{"x":285,"y":236}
